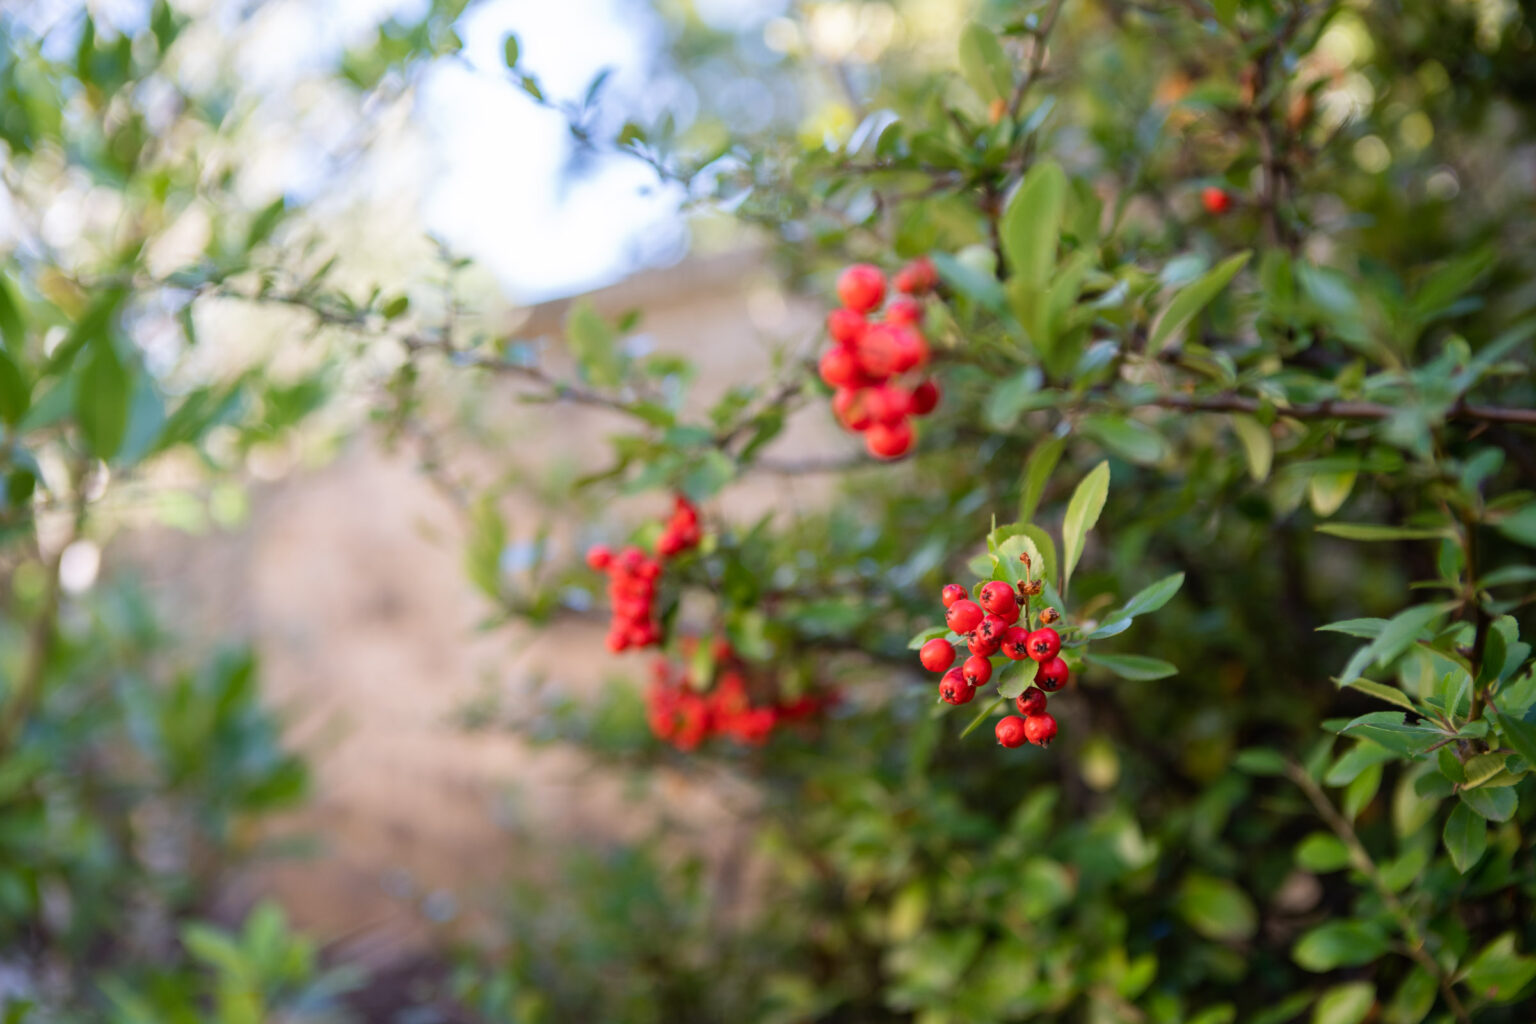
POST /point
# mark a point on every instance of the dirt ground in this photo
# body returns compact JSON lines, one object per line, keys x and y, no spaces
{"x":349,"y":580}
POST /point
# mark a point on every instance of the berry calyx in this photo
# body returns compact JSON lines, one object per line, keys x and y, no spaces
{"x":977,"y":670}
{"x":937,"y":654}
{"x":1048,"y":616}
{"x":964,"y":616}
{"x":951,"y":593}
{"x":861,"y":287}
{"x":1216,"y":201}
{"x":953,"y":688}
{"x":1052,"y":675}
{"x":1012,"y":731}
{"x":1044,"y":643}
{"x":1040,"y":729}
{"x":1031,"y":702}
{"x":1015,"y":643}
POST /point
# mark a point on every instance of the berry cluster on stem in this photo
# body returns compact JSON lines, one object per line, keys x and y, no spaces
{"x":873,"y":364}
{"x":633,"y":577}
{"x":681,"y":713}
{"x":999,"y":621}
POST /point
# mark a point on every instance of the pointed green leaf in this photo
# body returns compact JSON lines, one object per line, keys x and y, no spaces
{"x":102,"y":391}
{"x":1082,"y":513}
{"x":1189,"y":301}
{"x":983,"y":63}
{"x":1466,"y":837}
{"x":1340,"y":944}
{"x":1150,"y":599}
{"x":1031,"y":225}
{"x":1349,"y":1003}
{"x":1258,"y":445}
{"x":1216,"y":908}
{"x":1327,"y":492}
{"x":1133,"y":666}
{"x":1037,"y":473}
{"x":1371,"y":531}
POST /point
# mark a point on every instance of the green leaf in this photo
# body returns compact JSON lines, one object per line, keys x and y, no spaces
{"x":1017,"y":682}
{"x":1520,"y":527}
{"x":1082,"y":513}
{"x":509,"y":51}
{"x":1327,"y":492}
{"x":1037,"y":473}
{"x":1349,"y":1003}
{"x":1151,"y":598}
{"x":1466,"y":837}
{"x":13,"y":325}
{"x":1189,"y":301}
{"x":1031,"y":225}
{"x":982,"y":715}
{"x":1520,"y":735}
{"x":1371,"y":531}
{"x":1130,"y":439}
{"x":1321,"y":853}
{"x":983,"y":63}
{"x":1258,"y":445}
{"x":15,"y":394}
{"x":1482,"y":767}
{"x":1216,"y":908}
{"x":1340,"y":944}
{"x":1390,"y":730}
{"x":1260,"y":761}
{"x":1499,"y":973}
{"x":926,"y":635}
{"x":102,"y":392}
{"x":1370,"y":629}
{"x":1390,"y":694}
{"x":1399,"y":633}
{"x":1133,"y":666}
{"x":487,"y":540}
{"x":594,"y":345}
{"x":1010,"y":398}
{"x":1495,"y":804}
{"x":980,"y":288}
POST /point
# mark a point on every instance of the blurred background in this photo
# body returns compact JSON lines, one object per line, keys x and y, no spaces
{"x":309,"y":714}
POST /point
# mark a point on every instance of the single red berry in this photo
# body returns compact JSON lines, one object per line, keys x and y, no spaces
{"x":599,"y":557}
{"x":997,"y":598}
{"x":909,"y":349}
{"x":889,"y":440}
{"x":1044,"y":643}
{"x":861,"y":287}
{"x":1216,"y":201}
{"x":952,"y":592}
{"x":925,"y":398}
{"x":1011,"y":731}
{"x":985,"y":646}
{"x":880,"y":349}
{"x":918,"y":277}
{"x":846,"y":326}
{"x":839,"y":367}
{"x":953,"y":689}
{"x":977,"y":670}
{"x":1031,"y":702}
{"x":630,"y":559}
{"x":937,"y":654}
{"x":849,"y":408}
{"x":992,"y":629}
{"x":1040,"y":729}
{"x":906,"y":312}
{"x":964,"y":616}
{"x":1015,"y":643}
{"x":1052,"y":675}
{"x":887,"y":404}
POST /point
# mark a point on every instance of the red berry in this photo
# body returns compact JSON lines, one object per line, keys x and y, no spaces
{"x":953,"y":689}
{"x":1040,"y":729}
{"x":846,"y":326}
{"x":1044,"y":643}
{"x":937,"y":654}
{"x":1216,"y":201}
{"x":977,"y":670}
{"x":886,"y":404}
{"x":985,"y":646}
{"x":1031,"y":702}
{"x":909,"y":349}
{"x":1052,"y":675}
{"x":880,"y":349}
{"x":861,"y":287}
{"x":840,"y":367}
{"x":599,"y":557}
{"x":997,"y":598}
{"x":1011,"y":731}
{"x":918,"y":277}
{"x":964,"y":616}
{"x":1015,"y":643}
{"x":889,"y":440}
{"x":992,"y":629}
{"x":849,"y":407}
{"x":952,"y":592}
{"x":630,"y":559}
{"x":906,"y":312}
{"x":925,"y":398}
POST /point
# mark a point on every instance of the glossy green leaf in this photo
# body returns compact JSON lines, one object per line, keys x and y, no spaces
{"x":1216,"y":908}
{"x":1031,"y":224}
{"x":1258,"y":445}
{"x":1042,"y":460}
{"x":1134,"y":666}
{"x":1499,"y":973}
{"x":983,"y":63}
{"x":1082,"y":514}
{"x":1466,"y":837}
{"x":102,"y":392}
{"x":1189,"y":301}
{"x":1151,"y":598}
{"x":1340,"y":944}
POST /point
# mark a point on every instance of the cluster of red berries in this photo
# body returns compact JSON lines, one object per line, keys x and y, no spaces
{"x":680,"y":714}
{"x":632,"y":579}
{"x":989,"y":625}
{"x":868,"y":356}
